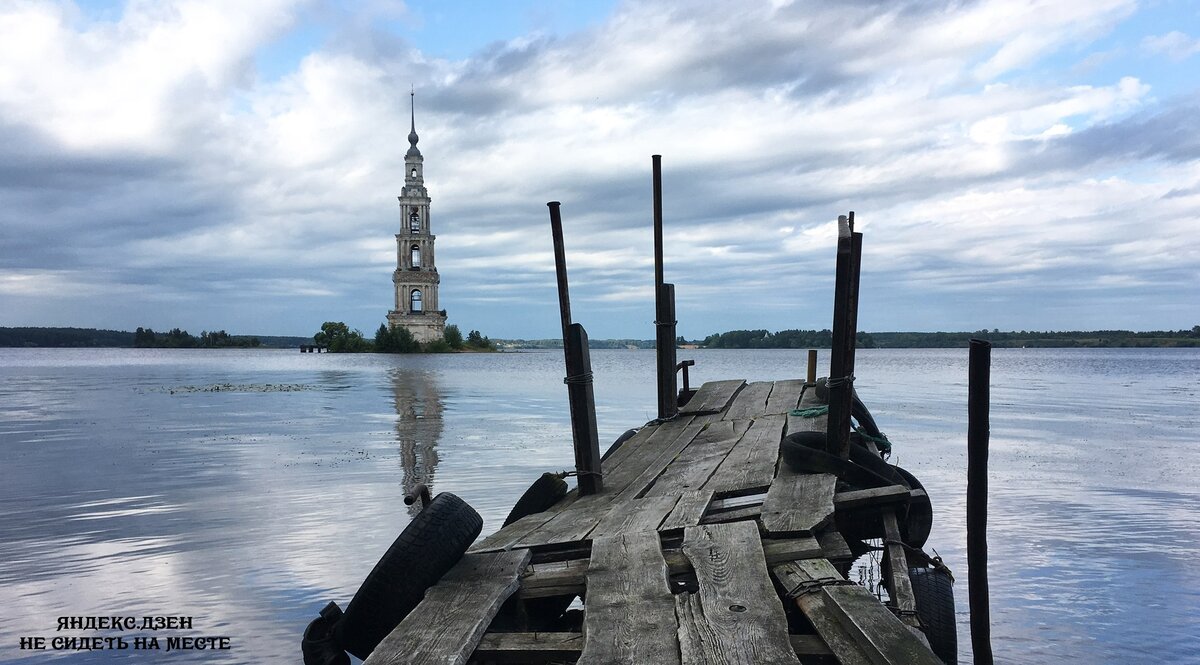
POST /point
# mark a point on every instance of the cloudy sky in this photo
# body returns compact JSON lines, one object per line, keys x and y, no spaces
{"x":234,"y":165}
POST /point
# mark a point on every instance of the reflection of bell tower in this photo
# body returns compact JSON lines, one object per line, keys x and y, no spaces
{"x":418,"y":425}
{"x":416,"y":277}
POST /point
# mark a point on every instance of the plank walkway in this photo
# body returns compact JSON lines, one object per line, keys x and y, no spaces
{"x":680,"y":559}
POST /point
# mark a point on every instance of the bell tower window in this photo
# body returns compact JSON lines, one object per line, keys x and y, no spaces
{"x":414,"y":172}
{"x":415,"y":251}
{"x":414,"y":301}
{"x":414,"y":221}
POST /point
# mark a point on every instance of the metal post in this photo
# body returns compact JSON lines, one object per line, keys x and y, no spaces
{"x":978,"y":431}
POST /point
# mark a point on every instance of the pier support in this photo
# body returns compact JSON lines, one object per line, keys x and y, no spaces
{"x":580,"y":395}
{"x":664,"y":310}
{"x":978,"y":433}
{"x":845,"y":323}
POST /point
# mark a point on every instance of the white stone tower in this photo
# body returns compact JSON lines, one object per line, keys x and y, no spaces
{"x":416,"y":277}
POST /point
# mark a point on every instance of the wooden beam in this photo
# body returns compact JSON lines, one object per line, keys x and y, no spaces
{"x":735,"y":616}
{"x":798,"y":503}
{"x":691,"y":469}
{"x":713,"y":397}
{"x":751,"y":402}
{"x":785,"y":395}
{"x":550,"y":647}
{"x":447,"y":625}
{"x":752,"y":461}
{"x":688,"y":510}
{"x":630,"y":616}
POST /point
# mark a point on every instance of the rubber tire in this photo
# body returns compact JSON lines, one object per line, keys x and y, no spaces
{"x":543,"y":493}
{"x":919,"y":520}
{"x":934,"y":594}
{"x":428,"y":547}
{"x":629,"y":434}
{"x":858,"y":410}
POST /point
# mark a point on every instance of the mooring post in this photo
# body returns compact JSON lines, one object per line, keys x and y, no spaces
{"x":811,"y":379}
{"x":580,"y":396}
{"x":664,"y":310}
{"x":841,"y":361}
{"x":978,"y":432}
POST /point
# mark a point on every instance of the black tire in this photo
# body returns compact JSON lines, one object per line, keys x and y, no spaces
{"x":428,"y":547}
{"x":919,"y":520}
{"x":629,"y":434}
{"x":543,"y":493}
{"x":933,"y":591}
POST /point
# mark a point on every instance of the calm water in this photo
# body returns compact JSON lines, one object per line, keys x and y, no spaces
{"x":247,"y":488}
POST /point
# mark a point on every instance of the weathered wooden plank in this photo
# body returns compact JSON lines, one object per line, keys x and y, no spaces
{"x":873,"y":628}
{"x":713,"y":397}
{"x":579,"y":519}
{"x":751,"y":462}
{"x":875,"y":496}
{"x":643,"y":514}
{"x":801,"y":424}
{"x":798,"y":502}
{"x":751,"y":401}
{"x":507,"y":536}
{"x":735,"y":616}
{"x":548,"y":647}
{"x":630,"y":615}
{"x":688,"y":510}
{"x":529,"y":647}
{"x":834,"y":545}
{"x":815,"y":607}
{"x":562,"y":578}
{"x":785,"y":395}
{"x":899,"y":586}
{"x":445,"y":627}
{"x":691,"y":469}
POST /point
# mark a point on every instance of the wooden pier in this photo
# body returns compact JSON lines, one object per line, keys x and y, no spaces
{"x":700,"y":547}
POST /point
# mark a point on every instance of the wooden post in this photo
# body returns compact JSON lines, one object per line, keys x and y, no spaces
{"x":664,"y":310}
{"x":583,"y":411}
{"x":812,"y":367}
{"x":978,"y":432}
{"x":841,"y":362}
{"x":580,"y":396}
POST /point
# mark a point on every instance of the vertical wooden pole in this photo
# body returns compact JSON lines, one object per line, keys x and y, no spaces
{"x":580,"y":396}
{"x":978,"y":433}
{"x":583,"y":411}
{"x":811,"y":378}
{"x":840,"y":391}
{"x":664,"y":310}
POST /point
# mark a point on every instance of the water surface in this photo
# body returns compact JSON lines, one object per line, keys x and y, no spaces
{"x":246,"y":488}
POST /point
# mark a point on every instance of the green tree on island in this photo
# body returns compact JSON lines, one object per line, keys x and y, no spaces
{"x":338,"y":338}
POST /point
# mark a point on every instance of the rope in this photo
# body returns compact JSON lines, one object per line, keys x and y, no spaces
{"x":584,"y":378}
{"x":885,"y":445}
{"x":577,"y":472}
{"x":839,"y":381}
{"x":665,"y":323}
{"x":809,"y":586}
{"x":810,"y":413}
{"x":934,"y":561}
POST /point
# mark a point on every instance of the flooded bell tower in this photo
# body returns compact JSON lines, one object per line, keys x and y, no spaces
{"x":416,"y":277}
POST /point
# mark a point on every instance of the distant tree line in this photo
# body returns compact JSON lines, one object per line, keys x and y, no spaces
{"x":337,"y":337}
{"x":146,"y":338}
{"x":801,"y":339}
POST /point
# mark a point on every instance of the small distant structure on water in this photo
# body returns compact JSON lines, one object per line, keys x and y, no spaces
{"x":416,"y":277}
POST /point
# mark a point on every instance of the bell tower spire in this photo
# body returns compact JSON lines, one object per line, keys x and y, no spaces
{"x":416,"y":277}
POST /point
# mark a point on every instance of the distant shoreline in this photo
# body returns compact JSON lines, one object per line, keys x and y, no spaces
{"x":31,"y":337}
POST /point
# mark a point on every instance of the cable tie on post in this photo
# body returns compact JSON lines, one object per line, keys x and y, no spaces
{"x":665,"y":323}
{"x":839,"y":381}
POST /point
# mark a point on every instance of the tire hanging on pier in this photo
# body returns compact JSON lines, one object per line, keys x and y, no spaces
{"x":934,"y":595}
{"x":428,"y":547}
{"x":543,"y":493}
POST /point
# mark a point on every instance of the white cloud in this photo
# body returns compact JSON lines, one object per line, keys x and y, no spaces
{"x":1175,"y":45}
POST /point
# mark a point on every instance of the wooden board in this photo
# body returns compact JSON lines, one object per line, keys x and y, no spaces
{"x":735,"y":616}
{"x":691,"y":469}
{"x":643,"y":514}
{"x":556,"y":647}
{"x":751,"y":462}
{"x":578,"y":520}
{"x":445,"y":627}
{"x":688,"y":510}
{"x":751,"y":402}
{"x":630,"y":612}
{"x":713,"y":397}
{"x":848,"y":610}
{"x":798,"y":502}
{"x":785,"y":395}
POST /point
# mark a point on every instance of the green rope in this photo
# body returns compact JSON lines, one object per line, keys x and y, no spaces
{"x":881,"y":441}
{"x":810,"y":413}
